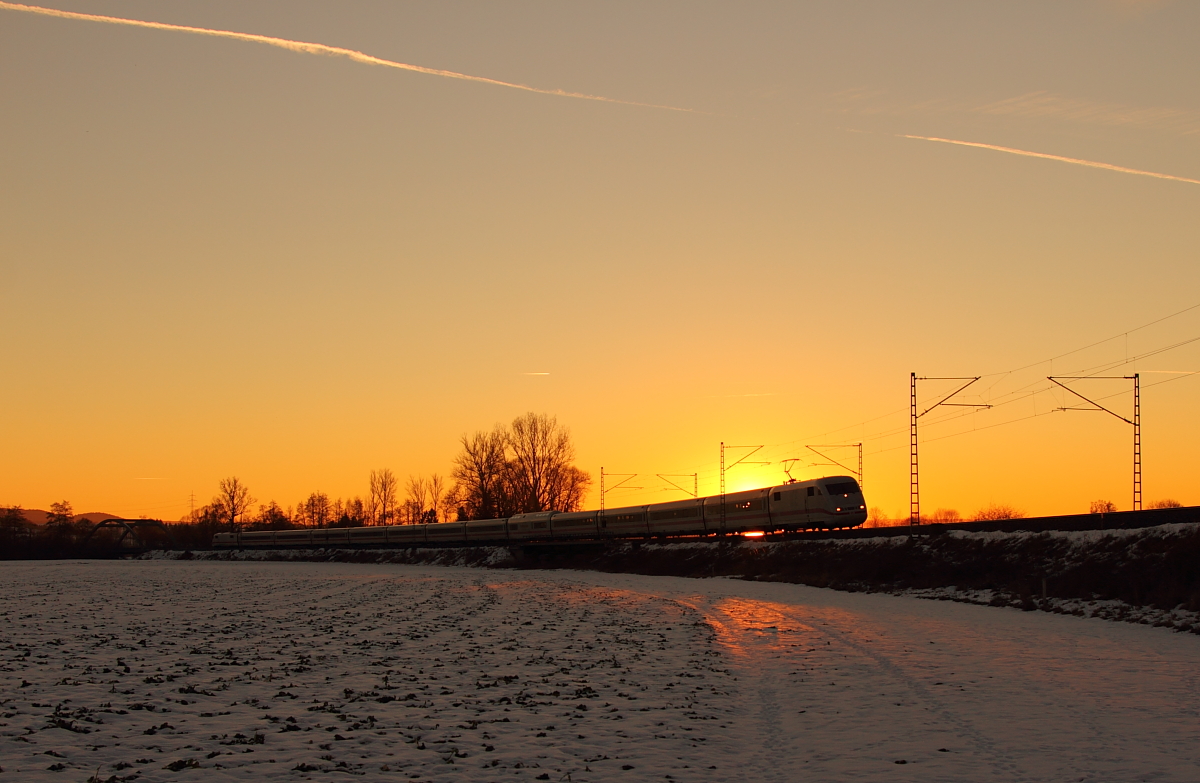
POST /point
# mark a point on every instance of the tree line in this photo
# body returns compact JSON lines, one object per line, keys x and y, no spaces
{"x":526,"y":466}
{"x":60,"y":534}
{"x":522,"y":467}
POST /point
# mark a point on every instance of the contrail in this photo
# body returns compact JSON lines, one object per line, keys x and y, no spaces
{"x":727,"y":396}
{"x":322,"y":49}
{"x":1076,"y":161}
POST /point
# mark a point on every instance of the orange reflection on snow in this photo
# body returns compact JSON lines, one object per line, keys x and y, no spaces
{"x":741,"y":624}
{"x":746,"y":627}
{"x":516,"y":584}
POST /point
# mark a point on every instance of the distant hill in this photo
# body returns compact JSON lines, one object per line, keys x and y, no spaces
{"x":38,"y":517}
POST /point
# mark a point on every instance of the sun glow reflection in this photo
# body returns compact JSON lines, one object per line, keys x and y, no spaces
{"x":748,"y":628}
{"x":754,"y":534}
{"x":742,"y":625}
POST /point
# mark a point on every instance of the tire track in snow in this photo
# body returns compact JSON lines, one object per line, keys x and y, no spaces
{"x":1016,"y":696}
{"x":758,"y":636}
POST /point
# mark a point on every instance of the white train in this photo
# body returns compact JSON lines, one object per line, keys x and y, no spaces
{"x":825,"y":503}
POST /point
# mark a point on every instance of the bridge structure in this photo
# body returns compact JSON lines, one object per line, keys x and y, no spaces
{"x":132,"y":530}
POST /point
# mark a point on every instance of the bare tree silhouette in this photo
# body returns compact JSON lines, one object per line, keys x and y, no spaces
{"x":351,"y":512}
{"x":998,"y":511}
{"x":233,"y":500}
{"x":523,"y":469}
{"x":478,"y":474}
{"x":381,"y":508}
{"x":438,"y":495}
{"x":412,"y":511}
{"x":271,"y":517}
{"x":542,"y":475}
{"x":315,"y":511}
{"x":426,"y":501}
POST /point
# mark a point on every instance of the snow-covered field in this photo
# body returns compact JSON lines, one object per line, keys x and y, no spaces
{"x":154,"y":670}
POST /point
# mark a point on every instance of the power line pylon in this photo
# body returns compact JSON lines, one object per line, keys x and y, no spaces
{"x":1136,"y":422}
{"x":695,"y":477}
{"x":914,"y":482}
{"x":914,"y":475}
{"x":742,"y":461}
{"x":619,"y":485}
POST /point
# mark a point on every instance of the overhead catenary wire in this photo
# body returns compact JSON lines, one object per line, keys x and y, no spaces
{"x":1028,"y":392}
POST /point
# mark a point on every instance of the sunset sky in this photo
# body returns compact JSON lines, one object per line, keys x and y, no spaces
{"x":221,"y":256}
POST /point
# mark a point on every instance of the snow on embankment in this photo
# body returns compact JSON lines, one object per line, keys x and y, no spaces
{"x":1147,"y":575}
{"x":476,"y":556}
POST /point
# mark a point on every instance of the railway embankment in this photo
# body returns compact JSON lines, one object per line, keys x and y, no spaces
{"x":1147,"y":574}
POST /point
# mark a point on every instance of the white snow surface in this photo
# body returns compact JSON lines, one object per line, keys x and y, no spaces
{"x":202,"y":670}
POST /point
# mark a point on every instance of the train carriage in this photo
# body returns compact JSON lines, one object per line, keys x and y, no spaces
{"x":530,"y":527}
{"x":480,"y":530}
{"x":367,"y":536}
{"x":333,"y":536}
{"x":789,"y":506}
{"x":629,"y":521}
{"x":257,"y":538}
{"x":677,"y":518}
{"x":833,"y":502}
{"x":744,"y":512}
{"x":446,"y":532}
{"x":579,"y":524}
{"x":406,"y":534}
{"x":293,"y":538}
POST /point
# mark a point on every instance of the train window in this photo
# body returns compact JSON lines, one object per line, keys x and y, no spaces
{"x":812,"y":491}
{"x":777,"y":496}
{"x":675,"y":513}
{"x":842,"y":488}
